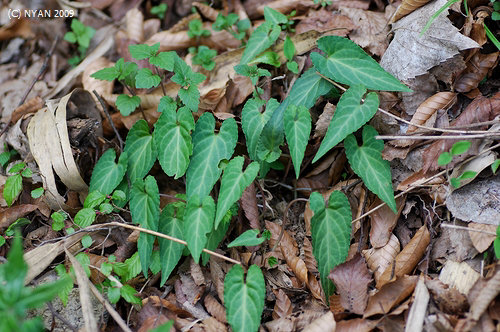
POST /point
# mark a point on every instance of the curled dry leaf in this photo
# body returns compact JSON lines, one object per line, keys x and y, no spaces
{"x":283,"y":306}
{"x":183,"y":24}
{"x":217,"y":275}
{"x":476,"y":70}
{"x":379,"y":260}
{"x":482,"y":241}
{"x":406,"y":7}
{"x":390,"y":295}
{"x":207,"y":11}
{"x":170,"y":40}
{"x":151,"y":27}
{"x":309,"y":259}
{"x":441,"y":100}
{"x":324,"y":120}
{"x":298,"y":268}
{"x":459,"y":275}
{"x":325,"y":323}
{"x":249,"y":205}
{"x":287,"y":245}
{"x":352,"y":279}
{"x":215,"y":308}
{"x":383,"y":221}
{"x":408,"y":258}
{"x":134,"y":21}
{"x":315,"y":287}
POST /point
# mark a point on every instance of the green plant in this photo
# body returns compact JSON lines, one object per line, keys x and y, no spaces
{"x":323,"y":2}
{"x":446,"y":157}
{"x":289,"y":50}
{"x":14,"y":183}
{"x":159,"y":10}
{"x":196,"y":29}
{"x":203,"y":56}
{"x":227,"y":23}
{"x":495,"y":16}
{"x":496,"y":243}
{"x":15,"y":298}
{"x":80,"y":35}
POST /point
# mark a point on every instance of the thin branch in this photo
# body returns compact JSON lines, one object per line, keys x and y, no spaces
{"x":468,"y":229}
{"x":484,"y":135}
{"x":105,"y":109}
{"x":161,"y":82}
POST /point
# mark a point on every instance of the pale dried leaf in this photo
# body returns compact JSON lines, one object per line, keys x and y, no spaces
{"x":325,"y":323}
{"x":410,"y":55}
{"x":371,"y":29}
{"x":360,"y":4}
{"x":283,"y":306}
{"x":298,"y":268}
{"x":379,"y":260}
{"x":487,"y":294}
{"x":134,"y":21}
{"x":352,"y":279}
{"x":287,"y":245}
{"x":478,"y":164}
{"x":383,"y":221}
{"x":324,"y":120}
{"x":196,"y":273}
{"x":249,"y":205}
{"x":217,"y":275}
{"x":482,"y":241}
{"x":215,"y":308}
{"x":459,"y":275}
{"x":102,"y":87}
{"x":286,"y":6}
{"x":183,"y":24}
{"x":419,"y":307}
{"x":213,"y":325}
{"x":390,"y":295}
{"x":408,"y":258}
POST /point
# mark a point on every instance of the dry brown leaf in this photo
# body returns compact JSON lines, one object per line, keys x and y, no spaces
{"x":287,"y":245}
{"x":283,"y":306}
{"x":406,"y":7}
{"x":352,"y":279}
{"x":324,"y":164}
{"x":408,"y":258}
{"x":249,"y":205}
{"x":356,"y":325}
{"x":325,"y":323}
{"x":217,"y":276}
{"x":371,"y":29}
{"x":215,"y":308}
{"x":315,"y":287}
{"x":286,"y":6}
{"x":196,"y":273}
{"x":480,"y":240}
{"x":360,"y":4}
{"x":207,"y":11}
{"x":323,"y":20}
{"x":390,"y":295}
{"x":448,"y":299}
{"x":103,"y":88}
{"x":379,"y":260}
{"x":309,"y":259}
{"x":441,"y":100}
{"x":476,"y":70}
{"x":298,"y":268}
{"x":383,"y":221}
{"x":16,"y":28}
{"x":31,"y":106}
{"x":134,"y":22}
{"x":324,"y":120}
{"x":11,"y":214}
{"x":213,"y":325}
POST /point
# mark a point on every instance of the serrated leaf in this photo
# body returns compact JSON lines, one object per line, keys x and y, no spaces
{"x":145,"y":79}
{"x":331,"y":234}
{"x":304,"y":92}
{"x":233,"y":183}
{"x":125,"y":69}
{"x":107,"y":175}
{"x":253,"y":121}
{"x":262,"y":38}
{"x":145,"y":210}
{"x":198,"y":222}
{"x":289,"y":48}
{"x":208,"y":150}
{"x":127,"y":104}
{"x":93,"y":199}
{"x":273,"y":16}
{"x":297,"y":131}
{"x":347,"y":63}
{"x":85,"y":217}
{"x":164,"y":60}
{"x":248,"y":238}
{"x":128,"y":293}
{"x":12,"y":188}
{"x":244,"y":298}
{"x":141,"y":150}
{"x":167,"y":103}
{"x":190,"y":97}
{"x":367,"y":162}
{"x":143,"y":51}
{"x":170,"y":252}
{"x":173,"y":140}
{"x":350,"y":115}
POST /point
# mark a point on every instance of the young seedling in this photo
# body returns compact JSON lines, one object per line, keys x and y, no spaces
{"x":196,"y":30}
{"x":227,"y":22}
{"x":159,"y":10}
{"x":203,"y":56}
{"x":81,"y":35}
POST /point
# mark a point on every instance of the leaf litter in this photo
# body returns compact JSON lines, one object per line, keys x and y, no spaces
{"x":432,"y":265}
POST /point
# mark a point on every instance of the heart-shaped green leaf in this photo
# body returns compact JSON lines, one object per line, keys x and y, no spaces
{"x":233,"y":183}
{"x":262,"y":38}
{"x":209,"y":149}
{"x":107,"y":175}
{"x":170,"y":252}
{"x":141,"y":150}
{"x":350,"y":115}
{"x":143,"y":51}
{"x":145,"y":210}
{"x":367,"y":162}
{"x":198,"y":222}
{"x":297,"y":131}
{"x":127,"y":104}
{"x":145,"y":79}
{"x":248,"y":238}
{"x":331,"y":234}
{"x":347,"y":63}
{"x":173,"y":140}
{"x":164,"y":60}
{"x":244,"y":301}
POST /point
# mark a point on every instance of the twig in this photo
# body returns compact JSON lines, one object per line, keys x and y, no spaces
{"x":468,"y":229}
{"x":444,"y":130}
{"x":487,"y":134}
{"x":161,"y":82}
{"x":105,"y":109}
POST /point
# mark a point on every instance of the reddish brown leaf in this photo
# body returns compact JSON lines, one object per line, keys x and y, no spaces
{"x":383,"y":222}
{"x":11,"y":214}
{"x":390,"y":295}
{"x":309,"y":259}
{"x":287,"y":245}
{"x":249,"y":205}
{"x":283,"y":306}
{"x":408,"y":258}
{"x":323,"y":20}
{"x":448,"y":299}
{"x":476,"y":70}
{"x":215,"y":308}
{"x":352,"y":279}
